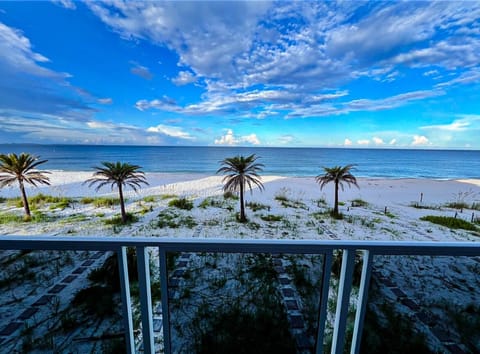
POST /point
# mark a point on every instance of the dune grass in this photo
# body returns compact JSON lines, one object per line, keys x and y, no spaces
{"x":100,"y":202}
{"x":450,"y":222}
{"x":181,"y":203}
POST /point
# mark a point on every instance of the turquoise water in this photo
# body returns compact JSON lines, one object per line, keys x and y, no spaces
{"x":381,"y":163}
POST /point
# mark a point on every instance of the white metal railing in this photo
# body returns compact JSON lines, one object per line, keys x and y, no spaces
{"x":164,"y":245}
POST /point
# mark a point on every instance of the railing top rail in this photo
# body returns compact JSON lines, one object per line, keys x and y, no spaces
{"x":43,"y":242}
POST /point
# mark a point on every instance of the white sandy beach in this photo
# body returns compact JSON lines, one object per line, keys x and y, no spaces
{"x":397,"y":195}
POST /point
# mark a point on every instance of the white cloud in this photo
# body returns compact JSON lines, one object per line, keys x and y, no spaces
{"x":347,"y":142}
{"x":105,"y":100}
{"x":230,"y":139}
{"x":420,"y":140}
{"x":377,"y":141}
{"x":289,"y":57}
{"x":68,"y":4}
{"x":141,"y":71}
{"x":393,"y":141}
{"x":286,"y":139}
{"x":172,"y":131}
{"x":363,"y":142}
{"x":184,"y":78}
{"x":32,"y":89}
{"x":430,"y":72}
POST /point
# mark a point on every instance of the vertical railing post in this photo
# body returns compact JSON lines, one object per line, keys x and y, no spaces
{"x":322,"y":314}
{"x":145,"y":299}
{"x":165,"y":306}
{"x":126,"y":301}
{"x":343,"y":301}
{"x":362,"y":301}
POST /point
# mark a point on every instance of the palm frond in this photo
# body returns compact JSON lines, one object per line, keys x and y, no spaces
{"x":117,"y":174}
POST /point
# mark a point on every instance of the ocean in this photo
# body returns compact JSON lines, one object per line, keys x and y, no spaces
{"x":374,"y":163}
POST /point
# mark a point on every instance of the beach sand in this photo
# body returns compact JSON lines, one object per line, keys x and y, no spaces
{"x":397,"y":195}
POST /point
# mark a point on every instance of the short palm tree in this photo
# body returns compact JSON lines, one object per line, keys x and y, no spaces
{"x":118,"y":174}
{"x":241,"y":172}
{"x":21,"y":168}
{"x":338,"y":175}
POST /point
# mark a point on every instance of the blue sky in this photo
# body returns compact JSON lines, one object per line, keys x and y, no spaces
{"x":327,"y":74}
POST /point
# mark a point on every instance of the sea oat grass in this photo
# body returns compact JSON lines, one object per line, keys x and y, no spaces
{"x":450,"y":222}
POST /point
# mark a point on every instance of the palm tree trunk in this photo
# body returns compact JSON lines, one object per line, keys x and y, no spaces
{"x":24,"y":198}
{"x":335,"y":207}
{"x":242,"y":204}
{"x":122,"y":204}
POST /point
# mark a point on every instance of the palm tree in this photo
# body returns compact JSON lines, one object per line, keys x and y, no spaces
{"x":22,"y":169}
{"x":120,"y":175}
{"x":241,"y":172}
{"x":338,"y":175}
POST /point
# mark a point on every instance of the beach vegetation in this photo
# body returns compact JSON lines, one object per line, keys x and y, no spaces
{"x":281,"y":198}
{"x":145,"y":210}
{"x":119,"y":219}
{"x":254,"y":206}
{"x":8,"y":218}
{"x":321,"y":202}
{"x":181,"y":203}
{"x":387,"y":331}
{"x":457,"y":205}
{"x":359,"y":203}
{"x":167,"y":196}
{"x":41,"y":200}
{"x":174,"y":221}
{"x":338,"y":175}
{"x":149,"y":199}
{"x":417,"y":205}
{"x":22,"y":169}
{"x":74,"y":218}
{"x":450,"y":222}
{"x":100,"y":202}
{"x":119,"y":175}
{"x":320,"y":215}
{"x":271,"y":218}
{"x":211,"y":202}
{"x":230,"y":195}
{"x":241,"y":173}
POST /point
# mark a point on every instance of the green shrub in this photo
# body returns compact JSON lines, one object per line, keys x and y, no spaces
{"x":149,"y":199}
{"x":100,"y":201}
{"x":173,"y":221}
{"x":181,"y":203}
{"x":7,"y":218}
{"x":210,"y":202}
{"x":271,"y":218}
{"x":359,"y":203}
{"x":422,"y":206}
{"x":391,"y":333}
{"x":281,"y":198}
{"x":457,"y":205}
{"x":167,"y":196}
{"x":230,"y":195}
{"x":117,"y":220}
{"x":450,"y":222}
{"x":96,"y":300}
{"x":257,"y":206}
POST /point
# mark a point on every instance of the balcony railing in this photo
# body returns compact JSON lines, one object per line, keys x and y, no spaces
{"x":325,"y":248}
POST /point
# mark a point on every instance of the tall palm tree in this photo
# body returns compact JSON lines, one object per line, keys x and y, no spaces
{"x":118,"y":174}
{"x":22,"y":169}
{"x":338,"y":175}
{"x":241,"y":172}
